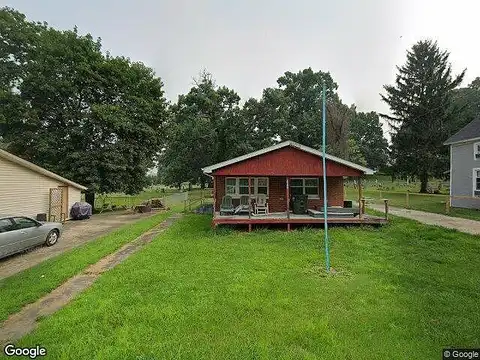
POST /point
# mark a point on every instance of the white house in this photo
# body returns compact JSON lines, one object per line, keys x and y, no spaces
{"x":27,"y":189}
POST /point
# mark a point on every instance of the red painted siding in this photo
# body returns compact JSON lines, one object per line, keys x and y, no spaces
{"x":277,"y":193}
{"x":286,"y":161}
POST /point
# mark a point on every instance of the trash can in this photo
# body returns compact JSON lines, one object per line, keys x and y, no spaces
{"x":300,"y":204}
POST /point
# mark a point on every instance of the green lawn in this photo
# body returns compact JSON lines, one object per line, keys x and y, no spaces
{"x":171,"y":197}
{"x":403,"y":291}
{"x":31,"y":284}
{"x":430,"y":203}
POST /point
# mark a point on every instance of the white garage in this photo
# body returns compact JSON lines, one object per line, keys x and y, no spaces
{"x":27,"y":189}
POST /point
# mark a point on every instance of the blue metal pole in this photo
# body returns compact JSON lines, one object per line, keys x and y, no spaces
{"x":324,"y":125}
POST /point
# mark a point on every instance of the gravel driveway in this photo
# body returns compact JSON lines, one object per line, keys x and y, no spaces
{"x":464,"y":225}
{"x":75,"y":233}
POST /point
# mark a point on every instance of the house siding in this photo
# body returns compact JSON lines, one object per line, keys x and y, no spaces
{"x":26,"y":192}
{"x":462,"y":165}
{"x":286,"y":162}
{"x":277,"y":192}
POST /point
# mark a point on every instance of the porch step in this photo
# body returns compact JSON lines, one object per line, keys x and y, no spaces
{"x":337,"y":213}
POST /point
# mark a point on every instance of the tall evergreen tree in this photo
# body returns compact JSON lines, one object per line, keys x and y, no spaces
{"x":421,"y":112}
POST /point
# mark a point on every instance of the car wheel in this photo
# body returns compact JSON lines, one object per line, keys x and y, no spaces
{"x":52,"y":238}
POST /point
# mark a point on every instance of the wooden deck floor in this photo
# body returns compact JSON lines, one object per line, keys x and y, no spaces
{"x":281,"y":218}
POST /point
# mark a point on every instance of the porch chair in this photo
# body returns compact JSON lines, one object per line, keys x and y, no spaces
{"x":261,"y":205}
{"x":244,"y":205}
{"x":226,"y":207}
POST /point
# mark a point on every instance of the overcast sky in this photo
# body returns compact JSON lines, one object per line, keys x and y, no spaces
{"x":248,"y":44}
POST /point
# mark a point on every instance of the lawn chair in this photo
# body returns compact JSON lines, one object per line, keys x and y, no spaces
{"x":244,"y":205}
{"x":261,"y":205}
{"x":226,"y":207}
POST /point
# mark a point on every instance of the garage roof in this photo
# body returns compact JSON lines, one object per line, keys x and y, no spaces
{"x":15,"y":159}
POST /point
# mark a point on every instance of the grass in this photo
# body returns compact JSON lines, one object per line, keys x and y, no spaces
{"x":31,"y":284}
{"x":404,"y":291}
{"x":424,"y":202}
{"x":171,"y":196}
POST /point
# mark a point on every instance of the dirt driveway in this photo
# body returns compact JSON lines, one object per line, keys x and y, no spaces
{"x":75,"y":233}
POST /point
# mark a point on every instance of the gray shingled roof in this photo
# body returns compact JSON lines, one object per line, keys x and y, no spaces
{"x":468,"y":132}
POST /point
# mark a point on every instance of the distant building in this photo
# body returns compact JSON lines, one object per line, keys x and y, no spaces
{"x":465,"y":166}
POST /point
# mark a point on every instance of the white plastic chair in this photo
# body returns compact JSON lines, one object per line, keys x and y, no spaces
{"x":261,"y":205}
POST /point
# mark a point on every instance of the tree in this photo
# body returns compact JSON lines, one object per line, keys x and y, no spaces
{"x":90,"y":117}
{"x":355,"y":154}
{"x":339,"y":116}
{"x":293,"y":111}
{"x":421,"y":116}
{"x":366,"y":131}
{"x":205,"y":127}
{"x":466,"y":104}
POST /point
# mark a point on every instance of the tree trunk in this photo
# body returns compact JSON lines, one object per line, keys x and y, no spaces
{"x":423,"y":183}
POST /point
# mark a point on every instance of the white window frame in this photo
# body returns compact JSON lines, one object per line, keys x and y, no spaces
{"x":303,"y":187}
{"x":474,"y":182}
{"x":476,"y":151}
{"x":237,"y":194}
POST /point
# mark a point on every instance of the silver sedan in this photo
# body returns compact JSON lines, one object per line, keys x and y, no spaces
{"x":18,"y":233}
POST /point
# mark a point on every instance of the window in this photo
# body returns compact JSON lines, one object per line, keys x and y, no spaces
{"x":24,"y":223}
{"x":306,"y":186}
{"x":239,"y":186}
{"x":243,"y":186}
{"x":5,"y":225}
{"x":296,"y":186}
{"x":476,"y":151}
{"x":262,"y":186}
{"x":476,"y":182}
{"x":230,"y":186}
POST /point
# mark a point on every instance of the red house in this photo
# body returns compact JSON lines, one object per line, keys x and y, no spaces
{"x":276,"y":174}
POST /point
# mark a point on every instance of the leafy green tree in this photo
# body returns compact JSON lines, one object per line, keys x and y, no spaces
{"x":206,"y":126}
{"x":421,"y":111}
{"x":94,"y":118}
{"x":293,"y":111}
{"x":466,"y":104}
{"x":355,"y":154}
{"x":366,"y":131}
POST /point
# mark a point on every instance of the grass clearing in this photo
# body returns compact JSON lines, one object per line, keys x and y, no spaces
{"x":31,"y":284}
{"x":171,"y":197}
{"x":403,"y":291}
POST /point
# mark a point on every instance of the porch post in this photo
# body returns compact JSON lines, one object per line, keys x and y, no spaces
{"x":287,"y":194}
{"x":360,"y":207}
{"x":214,"y":195}
{"x":249,"y":200}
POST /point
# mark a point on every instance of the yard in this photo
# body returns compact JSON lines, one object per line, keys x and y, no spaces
{"x":403,"y":291}
{"x":171,"y":197}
